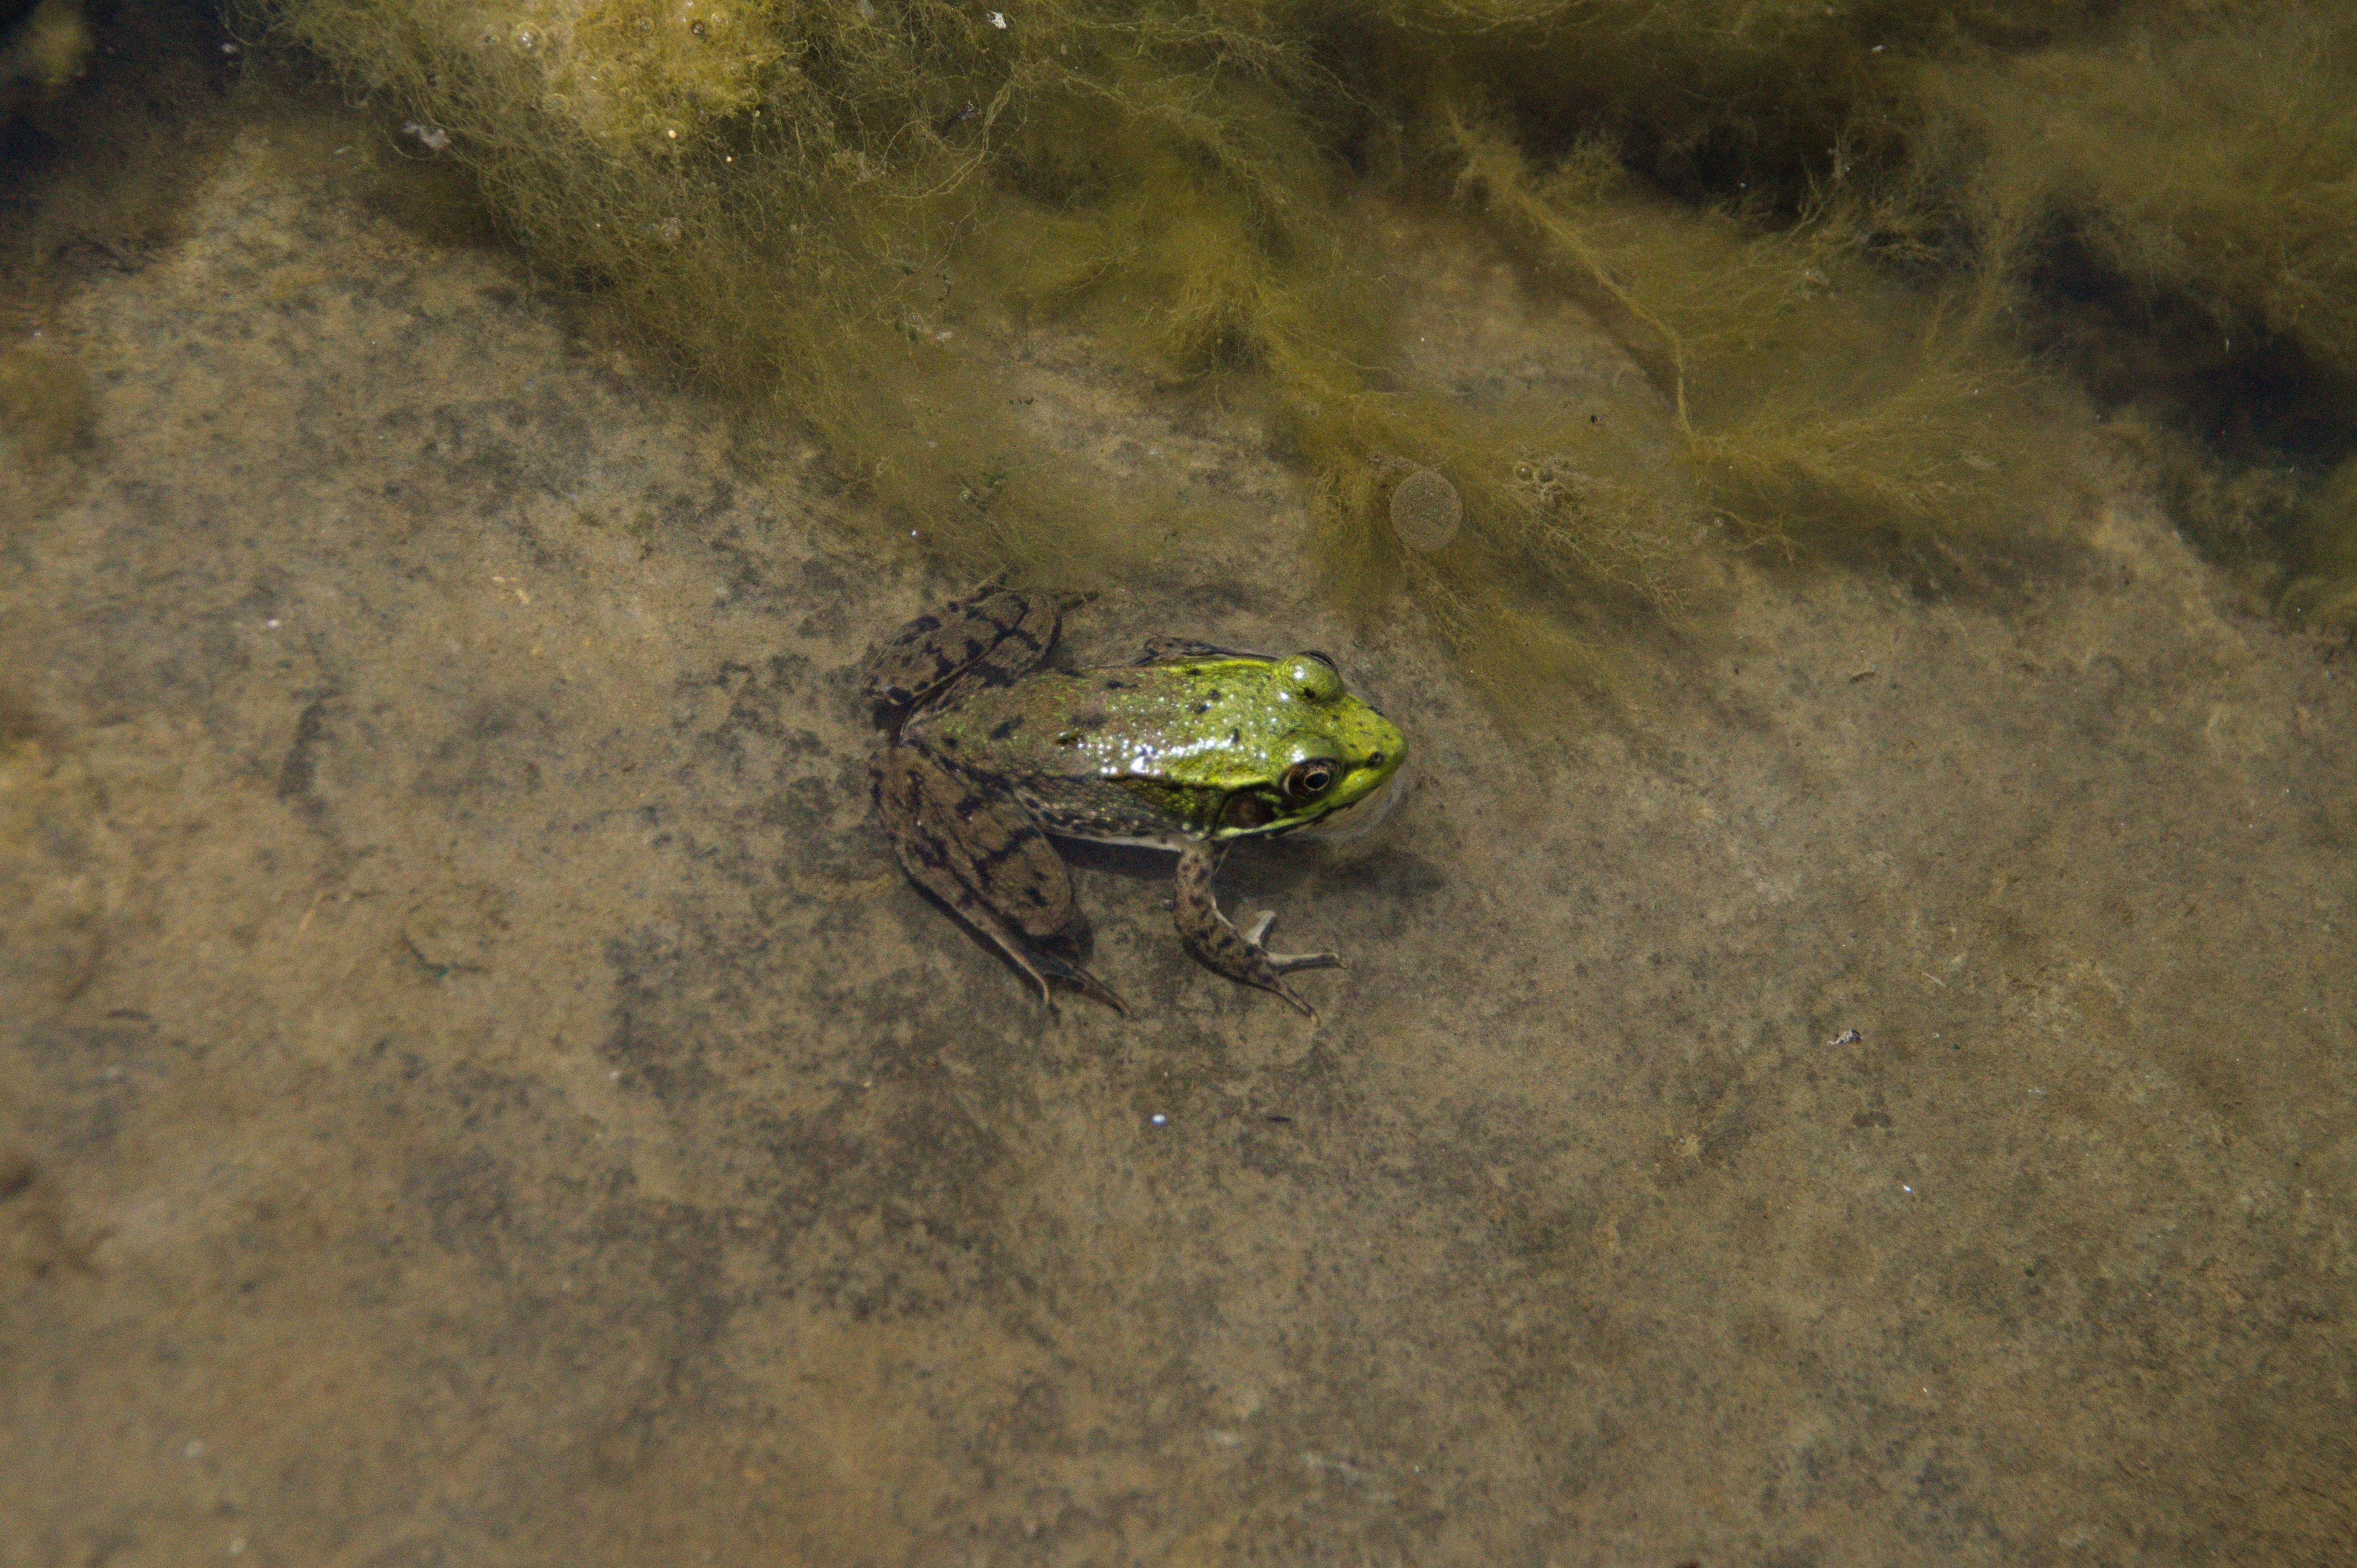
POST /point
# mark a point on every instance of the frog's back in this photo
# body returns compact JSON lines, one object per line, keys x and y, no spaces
{"x":1145,"y":722}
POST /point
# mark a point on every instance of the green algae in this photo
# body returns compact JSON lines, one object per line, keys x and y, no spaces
{"x":1875,"y":260}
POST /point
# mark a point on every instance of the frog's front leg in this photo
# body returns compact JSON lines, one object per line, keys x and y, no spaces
{"x":1236,"y":954}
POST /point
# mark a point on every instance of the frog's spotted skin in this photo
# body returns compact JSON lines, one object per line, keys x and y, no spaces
{"x":1184,"y":750}
{"x":933,"y":651}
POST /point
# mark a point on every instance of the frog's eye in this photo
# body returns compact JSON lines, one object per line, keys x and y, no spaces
{"x":1307,"y":781}
{"x":1310,"y":677}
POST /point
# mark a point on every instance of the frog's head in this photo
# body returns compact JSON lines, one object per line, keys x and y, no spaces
{"x":1330,"y":751}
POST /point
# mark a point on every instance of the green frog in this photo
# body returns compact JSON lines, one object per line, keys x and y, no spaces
{"x":1188,"y":748}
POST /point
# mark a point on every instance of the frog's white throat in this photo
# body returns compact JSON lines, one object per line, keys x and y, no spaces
{"x":1361,"y":817}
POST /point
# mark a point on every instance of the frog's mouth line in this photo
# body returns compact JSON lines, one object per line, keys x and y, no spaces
{"x":1363,"y":816}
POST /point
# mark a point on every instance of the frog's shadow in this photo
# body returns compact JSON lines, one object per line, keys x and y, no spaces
{"x":1251,"y":875}
{"x":1257,"y":869}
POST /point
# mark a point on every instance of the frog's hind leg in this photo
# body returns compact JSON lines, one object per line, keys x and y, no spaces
{"x":993,"y":634}
{"x":1239,"y":955}
{"x":985,"y":859}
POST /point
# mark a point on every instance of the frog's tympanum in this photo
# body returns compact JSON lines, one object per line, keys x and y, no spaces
{"x":1186,"y":748}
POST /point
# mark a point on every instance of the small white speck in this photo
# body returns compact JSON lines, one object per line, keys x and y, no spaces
{"x":272,"y":623}
{"x":998,"y":20}
{"x":615,"y":1076}
{"x":229,"y":49}
{"x":1158,"y":1119}
{"x":1904,"y":1188}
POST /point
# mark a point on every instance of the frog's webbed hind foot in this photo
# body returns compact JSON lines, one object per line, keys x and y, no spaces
{"x":986,"y":860}
{"x":1180,"y":649}
{"x":1237,"y":954}
{"x":1044,"y":964}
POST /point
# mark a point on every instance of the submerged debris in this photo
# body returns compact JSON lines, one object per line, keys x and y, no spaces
{"x":1425,"y":510}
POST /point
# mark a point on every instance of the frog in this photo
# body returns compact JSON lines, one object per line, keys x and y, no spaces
{"x":992,"y":751}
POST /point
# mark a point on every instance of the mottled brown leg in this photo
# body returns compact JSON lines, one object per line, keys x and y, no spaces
{"x":986,"y":860}
{"x":992,"y":634}
{"x":1236,"y":954}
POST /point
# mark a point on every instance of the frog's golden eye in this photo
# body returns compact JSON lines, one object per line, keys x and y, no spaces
{"x":1307,"y":781}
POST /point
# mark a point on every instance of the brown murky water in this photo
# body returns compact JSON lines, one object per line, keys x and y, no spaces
{"x":475,"y":1089}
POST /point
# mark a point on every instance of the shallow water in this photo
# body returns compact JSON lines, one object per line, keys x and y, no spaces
{"x":475,"y":1087}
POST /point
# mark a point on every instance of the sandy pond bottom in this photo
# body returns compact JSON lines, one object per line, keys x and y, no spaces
{"x":474,"y":1088}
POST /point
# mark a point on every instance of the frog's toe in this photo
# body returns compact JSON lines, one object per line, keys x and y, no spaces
{"x":1180,"y":649}
{"x":1281,"y":989}
{"x":1283,"y":961}
{"x":1089,"y":986}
